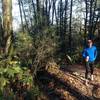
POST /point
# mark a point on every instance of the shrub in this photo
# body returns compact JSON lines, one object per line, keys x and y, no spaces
{"x":15,"y":80}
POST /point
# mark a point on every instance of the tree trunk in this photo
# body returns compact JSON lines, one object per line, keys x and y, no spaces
{"x":85,"y":33}
{"x":70,"y":28}
{"x":7,"y":25}
{"x":90,"y":19}
{"x":21,"y":4}
{"x":21,"y":15}
{"x":74,"y":83}
{"x":38,"y":12}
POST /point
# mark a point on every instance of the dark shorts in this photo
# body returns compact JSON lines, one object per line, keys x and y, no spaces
{"x":89,"y":66}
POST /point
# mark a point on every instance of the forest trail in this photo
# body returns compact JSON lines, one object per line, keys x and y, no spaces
{"x":68,"y":83}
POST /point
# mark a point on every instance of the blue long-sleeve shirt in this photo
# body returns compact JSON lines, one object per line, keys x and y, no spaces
{"x":91,"y":52}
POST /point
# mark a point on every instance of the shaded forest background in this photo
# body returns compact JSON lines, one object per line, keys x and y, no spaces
{"x":50,"y":31}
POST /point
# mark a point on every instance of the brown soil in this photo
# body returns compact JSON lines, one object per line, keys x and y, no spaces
{"x":68,"y":83}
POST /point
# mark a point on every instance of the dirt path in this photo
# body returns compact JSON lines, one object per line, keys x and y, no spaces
{"x":67,"y":83}
{"x":79,"y":71}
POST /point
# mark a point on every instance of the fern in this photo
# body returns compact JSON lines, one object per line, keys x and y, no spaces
{"x":14,"y":73}
{"x":3,"y":82}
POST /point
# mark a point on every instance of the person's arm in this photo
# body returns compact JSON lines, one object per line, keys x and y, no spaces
{"x":85,"y":55}
{"x":95,"y":53}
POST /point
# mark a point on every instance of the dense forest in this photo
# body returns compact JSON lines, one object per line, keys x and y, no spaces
{"x":41,"y":56}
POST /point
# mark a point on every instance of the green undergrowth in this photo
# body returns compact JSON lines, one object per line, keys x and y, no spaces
{"x":16,"y":81}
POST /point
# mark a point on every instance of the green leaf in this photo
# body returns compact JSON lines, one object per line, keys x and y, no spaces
{"x":2,"y":70}
{"x":3,"y":82}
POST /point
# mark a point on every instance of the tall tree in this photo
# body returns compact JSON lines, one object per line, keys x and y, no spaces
{"x":86,"y":16}
{"x":70,"y":28}
{"x":7,"y":24}
{"x":20,"y":9}
{"x":92,"y":16}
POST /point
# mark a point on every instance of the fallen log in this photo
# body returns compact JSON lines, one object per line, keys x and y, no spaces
{"x":56,"y":92}
{"x":75,"y":84}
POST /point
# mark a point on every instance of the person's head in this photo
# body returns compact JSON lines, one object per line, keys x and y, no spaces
{"x":89,"y":42}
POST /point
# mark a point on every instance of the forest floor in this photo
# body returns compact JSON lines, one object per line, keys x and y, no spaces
{"x":68,"y":83}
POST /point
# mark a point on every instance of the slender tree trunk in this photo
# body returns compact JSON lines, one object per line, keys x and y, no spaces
{"x":21,"y":15}
{"x":65,"y":18}
{"x":7,"y":24}
{"x":30,"y":15}
{"x":70,"y":28}
{"x":38,"y":12}
{"x":50,"y":3}
{"x":53,"y":10}
{"x":95,"y":24}
{"x":65,"y":26}
{"x":90,"y":20}
{"x":61,"y":18}
{"x":34,"y":11}
{"x":86,"y":16}
{"x":1,"y":33}
{"x":25,"y":16}
{"x":93,"y":17}
{"x":46,"y":11}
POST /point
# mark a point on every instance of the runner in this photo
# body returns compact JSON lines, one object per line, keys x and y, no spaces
{"x":89,"y":54}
